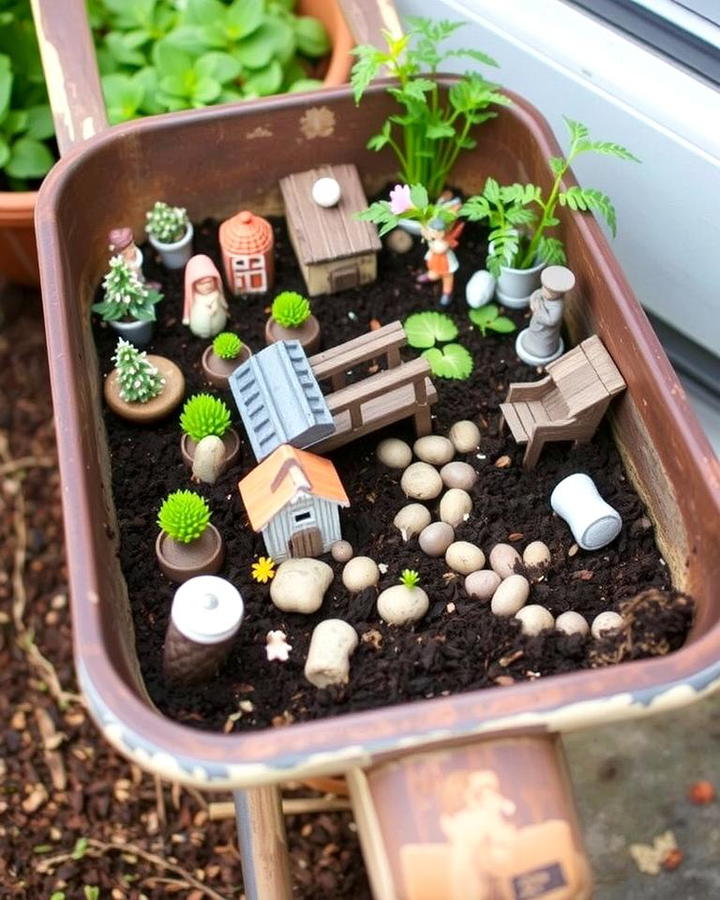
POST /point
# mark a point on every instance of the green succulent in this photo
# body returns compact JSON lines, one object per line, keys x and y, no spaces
{"x":290,"y":309}
{"x":184,"y":516}
{"x":139,"y":381}
{"x":204,"y":414}
{"x":227,"y":345}
{"x":167,"y":224}
{"x":125,"y":296}
{"x":410,"y":578}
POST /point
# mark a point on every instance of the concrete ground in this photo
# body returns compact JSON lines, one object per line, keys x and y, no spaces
{"x":631,"y":782}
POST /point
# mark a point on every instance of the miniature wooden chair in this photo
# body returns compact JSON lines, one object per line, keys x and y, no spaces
{"x":567,"y":404}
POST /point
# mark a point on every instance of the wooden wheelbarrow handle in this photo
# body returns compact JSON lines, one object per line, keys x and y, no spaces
{"x":493,"y":820}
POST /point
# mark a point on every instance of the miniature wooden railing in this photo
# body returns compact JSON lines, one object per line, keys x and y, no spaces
{"x":400,"y":391}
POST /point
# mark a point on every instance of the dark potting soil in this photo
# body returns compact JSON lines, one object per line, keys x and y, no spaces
{"x":459,"y":645}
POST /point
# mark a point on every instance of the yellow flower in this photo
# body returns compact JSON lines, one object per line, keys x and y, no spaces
{"x":264,"y":569}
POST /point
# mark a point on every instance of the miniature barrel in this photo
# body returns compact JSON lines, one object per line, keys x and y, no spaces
{"x":205,"y":617}
{"x":593,"y":522}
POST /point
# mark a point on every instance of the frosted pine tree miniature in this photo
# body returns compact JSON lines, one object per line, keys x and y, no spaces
{"x":125,"y":296}
{"x":138,"y":379}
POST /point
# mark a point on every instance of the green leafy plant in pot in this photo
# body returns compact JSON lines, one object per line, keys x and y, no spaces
{"x":291,"y":319}
{"x":520,"y":215}
{"x":128,"y":304}
{"x":208,"y":445}
{"x":188,"y":544}
{"x":170,"y":232}
{"x":222,"y":357}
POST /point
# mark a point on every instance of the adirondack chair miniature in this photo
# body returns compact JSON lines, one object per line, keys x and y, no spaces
{"x":567,"y":404}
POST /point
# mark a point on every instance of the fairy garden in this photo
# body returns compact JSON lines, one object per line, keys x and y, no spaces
{"x":356,"y":460}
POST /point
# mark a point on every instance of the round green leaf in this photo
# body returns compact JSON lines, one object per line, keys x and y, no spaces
{"x":40,"y":122}
{"x":312,"y":37}
{"x":29,"y":159}
{"x":4,"y":152}
{"x":221,"y":66}
{"x":304,"y":84}
{"x":453,"y":361}
{"x":425,"y":329}
{"x":256,"y":51}
{"x":244,"y":17}
{"x":265,"y":81}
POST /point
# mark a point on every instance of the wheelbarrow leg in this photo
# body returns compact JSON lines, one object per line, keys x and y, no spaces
{"x":263,"y":843}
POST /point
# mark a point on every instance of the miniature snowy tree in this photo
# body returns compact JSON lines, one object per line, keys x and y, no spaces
{"x":125,"y":296}
{"x":138,"y":379}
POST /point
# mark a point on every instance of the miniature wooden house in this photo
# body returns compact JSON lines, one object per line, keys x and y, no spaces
{"x":293,"y":499}
{"x":247,"y":245}
{"x":335,"y":250}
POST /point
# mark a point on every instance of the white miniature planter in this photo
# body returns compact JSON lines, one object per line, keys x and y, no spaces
{"x":138,"y":333}
{"x":515,"y":286}
{"x":593,"y":522}
{"x":176,"y":255}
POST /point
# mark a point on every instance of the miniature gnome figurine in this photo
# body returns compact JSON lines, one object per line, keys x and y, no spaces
{"x":121,"y":242}
{"x":440,"y":259}
{"x":205,"y":617}
{"x":205,"y":309}
{"x":540,"y":343}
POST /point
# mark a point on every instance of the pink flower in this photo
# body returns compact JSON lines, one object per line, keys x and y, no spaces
{"x":400,"y":201}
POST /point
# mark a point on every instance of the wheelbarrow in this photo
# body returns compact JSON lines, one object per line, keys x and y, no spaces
{"x":457,"y":797}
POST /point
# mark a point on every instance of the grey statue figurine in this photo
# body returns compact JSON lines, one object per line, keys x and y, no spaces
{"x":540,"y":343}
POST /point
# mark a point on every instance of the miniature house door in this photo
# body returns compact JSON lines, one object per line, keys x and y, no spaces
{"x":344,"y":278}
{"x":249,"y":273}
{"x":305,"y":539}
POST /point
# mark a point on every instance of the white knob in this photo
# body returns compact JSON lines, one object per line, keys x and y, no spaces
{"x":326,"y":192}
{"x":207,"y":609}
{"x":593,"y":522}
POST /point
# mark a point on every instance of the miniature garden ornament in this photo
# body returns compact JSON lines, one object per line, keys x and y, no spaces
{"x":205,"y":618}
{"x":331,"y":645}
{"x":170,"y":232}
{"x":205,"y":309}
{"x":222,"y":357}
{"x":540,"y":343}
{"x":326,"y":192}
{"x":142,"y":388}
{"x":291,"y":320}
{"x":247,"y":244}
{"x":121,"y":242}
{"x":593,"y":522}
{"x":208,"y":445}
{"x":403,"y":603}
{"x":128,"y":304}
{"x":188,"y":545}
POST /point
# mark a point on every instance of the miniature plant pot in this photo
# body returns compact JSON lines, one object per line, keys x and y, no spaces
{"x":138,"y":333}
{"x":308,"y":334}
{"x":217,"y":370}
{"x":174,"y":256}
{"x":515,"y":286}
{"x":203,"y":556}
{"x":231,"y":440}
{"x":157,"y":408}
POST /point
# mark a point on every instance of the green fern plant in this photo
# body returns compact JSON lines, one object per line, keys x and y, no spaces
{"x":184,"y":516}
{"x":520,"y":215}
{"x":138,"y":380}
{"x":203,"y":415}
{"x":290,"y":309}
{"x":167,"y":224}
{"x":227,"y":345}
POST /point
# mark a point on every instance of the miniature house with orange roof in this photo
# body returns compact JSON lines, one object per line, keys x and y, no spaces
{"x":293,"y":499}
{"x":247,"y":244}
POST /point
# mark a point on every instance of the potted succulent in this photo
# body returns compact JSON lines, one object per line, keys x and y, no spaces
{"x":222,"y":357}
{"x":170,"y":232}
{"x":292,"y":320}
{"x":128,"y":303}
{"x":188,"y":544}
{"x":208,"y":445}
{"x":142,"y":388}
{"x":519,"y":216}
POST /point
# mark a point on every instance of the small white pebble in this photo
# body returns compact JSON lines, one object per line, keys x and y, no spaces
{"x":534,"y":619}
{"x":383,"y":567}
{"x":571,"y":623}
{"x":450,"y":608}
{"x":605,"y":624}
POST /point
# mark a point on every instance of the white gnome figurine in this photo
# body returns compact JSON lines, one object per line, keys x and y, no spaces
{"x":540,"y":343}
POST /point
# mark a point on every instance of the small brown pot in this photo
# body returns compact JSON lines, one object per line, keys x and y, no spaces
{"x":308,"y":334}
{"x":203,"y":556}
{"x":217,"y":370}
{"x":231,"y":440}
{"x":157,"y":408}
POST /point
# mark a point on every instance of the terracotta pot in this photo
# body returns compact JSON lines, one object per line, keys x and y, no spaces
{"x":308,"y":334}
{"x":231,"y":440}
{"x":18,"y":248}
{"x":203,"y":556}
{"x":217,"y":370}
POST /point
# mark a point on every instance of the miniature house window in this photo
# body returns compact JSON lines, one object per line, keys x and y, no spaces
{"x":306,"y":517}
{"x":249,"y":272}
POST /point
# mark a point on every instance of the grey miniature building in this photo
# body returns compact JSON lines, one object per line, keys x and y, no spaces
{"x":279,"y":399}
{"x":335,"y":250}
{"x":293,"y":499}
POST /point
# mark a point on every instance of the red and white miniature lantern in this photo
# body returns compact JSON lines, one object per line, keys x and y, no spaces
{"x":247,"y":243}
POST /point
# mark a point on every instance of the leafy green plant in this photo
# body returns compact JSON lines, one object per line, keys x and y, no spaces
{"x":184,"y":516}
{"x":290,"y":309}
{"x":488,"y":318}
{"x":433,"y":127}
{"x":410,"y":578}
{"x":424,"y":330}
{"x":91,"y":892}
{"x":407,"y":202}
{"x":519,"y":215}
{"x":139,"y":381}
{"x":125,"y":296}
{"x":203,"y":415}
{"x":167,"y":224}
{"x":227,"y":345}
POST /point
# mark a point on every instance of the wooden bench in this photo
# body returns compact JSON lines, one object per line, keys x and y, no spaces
{"x":567,"y":404}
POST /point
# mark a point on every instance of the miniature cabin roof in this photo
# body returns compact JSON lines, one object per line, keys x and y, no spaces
{"x":279,"y":399}
{"x":327,"y":233}
{"x":286,"y":476}
{"x":245,"y":233}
